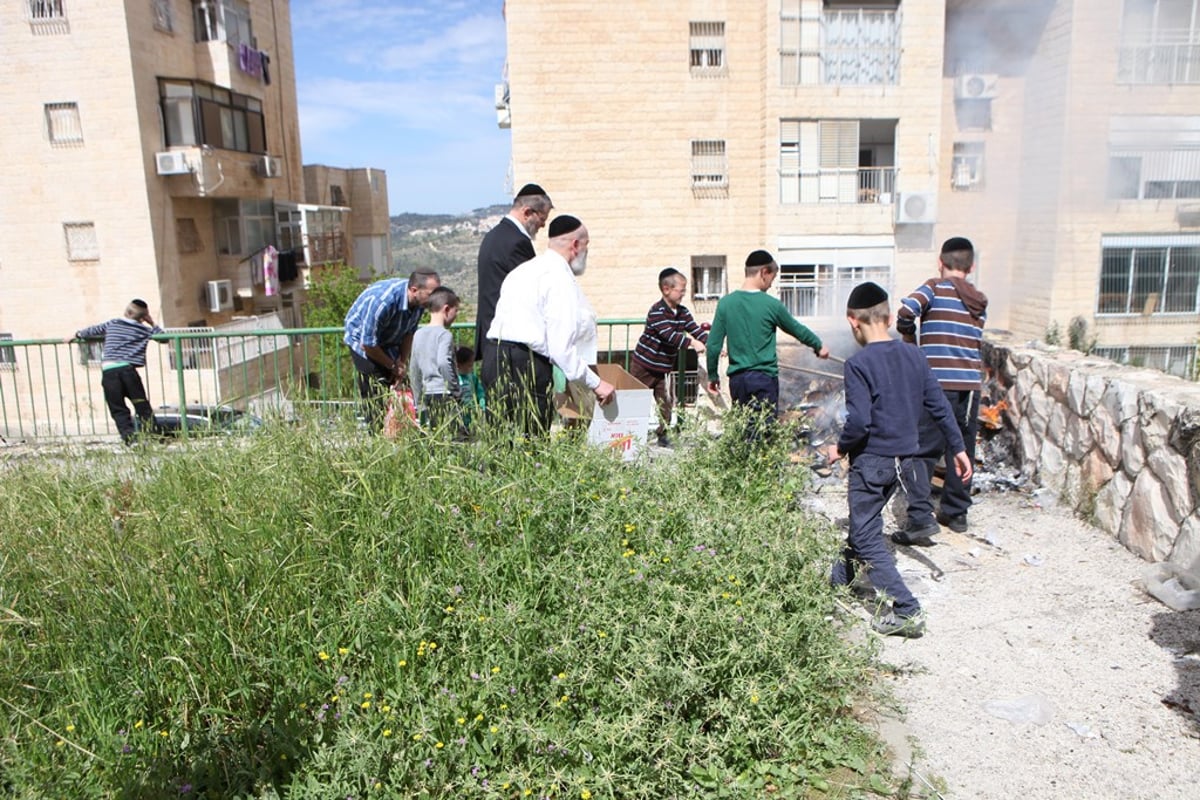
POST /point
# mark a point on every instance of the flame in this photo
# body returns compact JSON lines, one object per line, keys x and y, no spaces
{"x":990,"y":415}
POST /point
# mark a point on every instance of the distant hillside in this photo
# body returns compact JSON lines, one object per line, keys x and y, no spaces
{"x":447,"y":243}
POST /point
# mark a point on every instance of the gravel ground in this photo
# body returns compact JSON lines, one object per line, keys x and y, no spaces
{"x":1035,"y":615}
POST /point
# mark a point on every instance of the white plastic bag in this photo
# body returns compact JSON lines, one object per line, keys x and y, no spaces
{"x":1172,"y":586}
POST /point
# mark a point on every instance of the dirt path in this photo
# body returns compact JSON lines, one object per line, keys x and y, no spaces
{"x":1038,"y":615}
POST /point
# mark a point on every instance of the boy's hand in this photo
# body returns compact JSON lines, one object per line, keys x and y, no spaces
{"x":823,"y":352}
{"x":832,"y":454}
{"x":70,"y":339}
{"x":962,"y":465}
{"x":604,"y":392}
{"x":714,"y":387}
{"x":696,"y":345}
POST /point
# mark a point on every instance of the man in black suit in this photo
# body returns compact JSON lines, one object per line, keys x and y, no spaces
{"x":505,"y":247}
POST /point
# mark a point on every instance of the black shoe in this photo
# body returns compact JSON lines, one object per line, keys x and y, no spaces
{"x":957,"y":523}
{"x":663,"y":441}
{"x":916,"y":536}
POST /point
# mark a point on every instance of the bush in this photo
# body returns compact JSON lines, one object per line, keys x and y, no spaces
{"x":310,"y":616}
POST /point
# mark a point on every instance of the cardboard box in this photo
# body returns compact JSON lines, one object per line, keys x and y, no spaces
{"x":624,"y":424}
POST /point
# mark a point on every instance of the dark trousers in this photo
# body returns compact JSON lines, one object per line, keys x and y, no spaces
{"x":374,"y":383}
{"x":445,"y":412}
{"x":520,"y":388}
{"x":661,"y":384}
{"x":873,"y":480}
{"x":118,"y":384}
{"x":758,"y":392}
{"x":956,"y":495}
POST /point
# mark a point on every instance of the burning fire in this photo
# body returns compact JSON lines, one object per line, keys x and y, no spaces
{"x":990,"y":415}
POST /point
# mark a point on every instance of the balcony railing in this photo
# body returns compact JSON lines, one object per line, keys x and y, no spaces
{"x":1159,"y":63}
{"x":848,"y":185}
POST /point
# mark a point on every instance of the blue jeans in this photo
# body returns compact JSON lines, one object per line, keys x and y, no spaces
{"x":873,"y":481}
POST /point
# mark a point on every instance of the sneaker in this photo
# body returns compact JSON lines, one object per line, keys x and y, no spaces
{"x":663,"y":441}
{"x":957,"y":523}
{"x":916,"y":536}
{"x":893,"y":624}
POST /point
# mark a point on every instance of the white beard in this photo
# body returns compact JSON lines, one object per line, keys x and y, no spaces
{"x":579,"y":264}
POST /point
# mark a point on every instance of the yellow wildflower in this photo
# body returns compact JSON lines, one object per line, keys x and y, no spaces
{"x":495,"y":670}
{"x":70,"y":728}
{"x":343,"y":650}
{"x":323,"y":655}
{"x":439,"y":745}
{"x":387,"y":732}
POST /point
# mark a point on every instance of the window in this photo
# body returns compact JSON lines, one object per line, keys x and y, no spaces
{"x":196,"y":113}
{"x":966,"y":168}
{"x":8,"y":353}
{"x":47,"y":11}
{"x":1160,"y":42}
{"x":1154,"y":157}
{"x":708,"y":277}
{"x":854,"y":43}
{"x":811,"y":290}
{"x":832,"y":160}
{"x":82,"y":244}
{"x":336,"y":196}
{"x":709,"y":168}
{"x":90,"y":353}
{"x":62,"y":123}
{"x":1174,"y":359}
{"x":164,"y":17}
{"x":707,"y":43}
{"x":1149,"y":275}
{"x":223,"y":21}
{"x":243,"y":227}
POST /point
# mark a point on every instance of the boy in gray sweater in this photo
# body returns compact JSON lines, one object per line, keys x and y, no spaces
{"x":432,"y":372}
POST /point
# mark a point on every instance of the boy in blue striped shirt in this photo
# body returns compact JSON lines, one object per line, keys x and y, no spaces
{"x":125,"y":340}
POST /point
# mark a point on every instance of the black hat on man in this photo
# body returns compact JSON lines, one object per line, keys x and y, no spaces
{"x":669,"y":272}
{"x":759,"y":258}
{"x":564,"y":223}
{"x":866,"y":295}
{"x":139,"y":303}
{"x":956,"y":243}
{"x":531,"y":190}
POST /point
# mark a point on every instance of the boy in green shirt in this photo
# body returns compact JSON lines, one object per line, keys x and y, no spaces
{"x":745,"y":324}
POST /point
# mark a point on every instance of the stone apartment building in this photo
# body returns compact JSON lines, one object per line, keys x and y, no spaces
{"x":154,"y":151}
{"x":850,"y":137}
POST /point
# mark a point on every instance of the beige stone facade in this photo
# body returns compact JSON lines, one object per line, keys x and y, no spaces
{"x":153,"y":148}
{"x":851,"y":139}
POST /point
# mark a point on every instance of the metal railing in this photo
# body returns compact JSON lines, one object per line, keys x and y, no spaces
{"x":50,"y":388}
{"x":1159,"y":63}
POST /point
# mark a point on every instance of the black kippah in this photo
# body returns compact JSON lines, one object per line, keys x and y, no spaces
{"x":759,"y":258}
{"x":957,"y":243}
{"x":531,"y":189}
{"x":866,"y":295}
{"x":669,"y":272}
{"x":139,"y":303}
{"x":563,"y":223}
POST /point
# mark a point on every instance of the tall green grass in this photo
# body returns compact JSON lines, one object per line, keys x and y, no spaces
{"x":322,"y":614}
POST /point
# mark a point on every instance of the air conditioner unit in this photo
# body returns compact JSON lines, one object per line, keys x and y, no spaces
{"x":916,"y":208}
{"x":171,"y":162}
{"x":269,"y":166}
{"x":975,"y":86}
{"x":220,"y":295}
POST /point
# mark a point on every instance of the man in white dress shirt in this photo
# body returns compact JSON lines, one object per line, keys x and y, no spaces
{"x":542,"y":320}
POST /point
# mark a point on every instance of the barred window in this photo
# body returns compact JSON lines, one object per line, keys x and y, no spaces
{"x":46,"y":10}
{"x":709,"y":167}
{"x":1152,"y":275}
{"x":707,"y":44}
{"x":63,"y":125}
{"x":708,"y":277}
{"x":8,"y":353}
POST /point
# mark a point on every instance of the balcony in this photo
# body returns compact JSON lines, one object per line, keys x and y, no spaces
{"x":1162,"y":63}
{"x":860,"y":185}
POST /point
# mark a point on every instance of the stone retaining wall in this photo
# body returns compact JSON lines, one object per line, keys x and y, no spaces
{"x":1120,"y":445}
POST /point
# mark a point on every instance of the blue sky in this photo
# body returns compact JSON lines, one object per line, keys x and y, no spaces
{"x":406,"y":86}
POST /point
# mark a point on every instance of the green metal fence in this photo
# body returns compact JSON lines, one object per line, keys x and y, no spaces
{"x":50,"y":388}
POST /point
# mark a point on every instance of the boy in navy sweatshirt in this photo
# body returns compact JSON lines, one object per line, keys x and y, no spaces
{"x":888,"y":385}
{"x":125,"y":340}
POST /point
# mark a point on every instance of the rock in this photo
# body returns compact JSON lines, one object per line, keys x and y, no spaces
{"x":1147,"y":528}
{"x":1172,"y":470}
{"x":1110,"y":504}
{"x":1186,"y":553}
